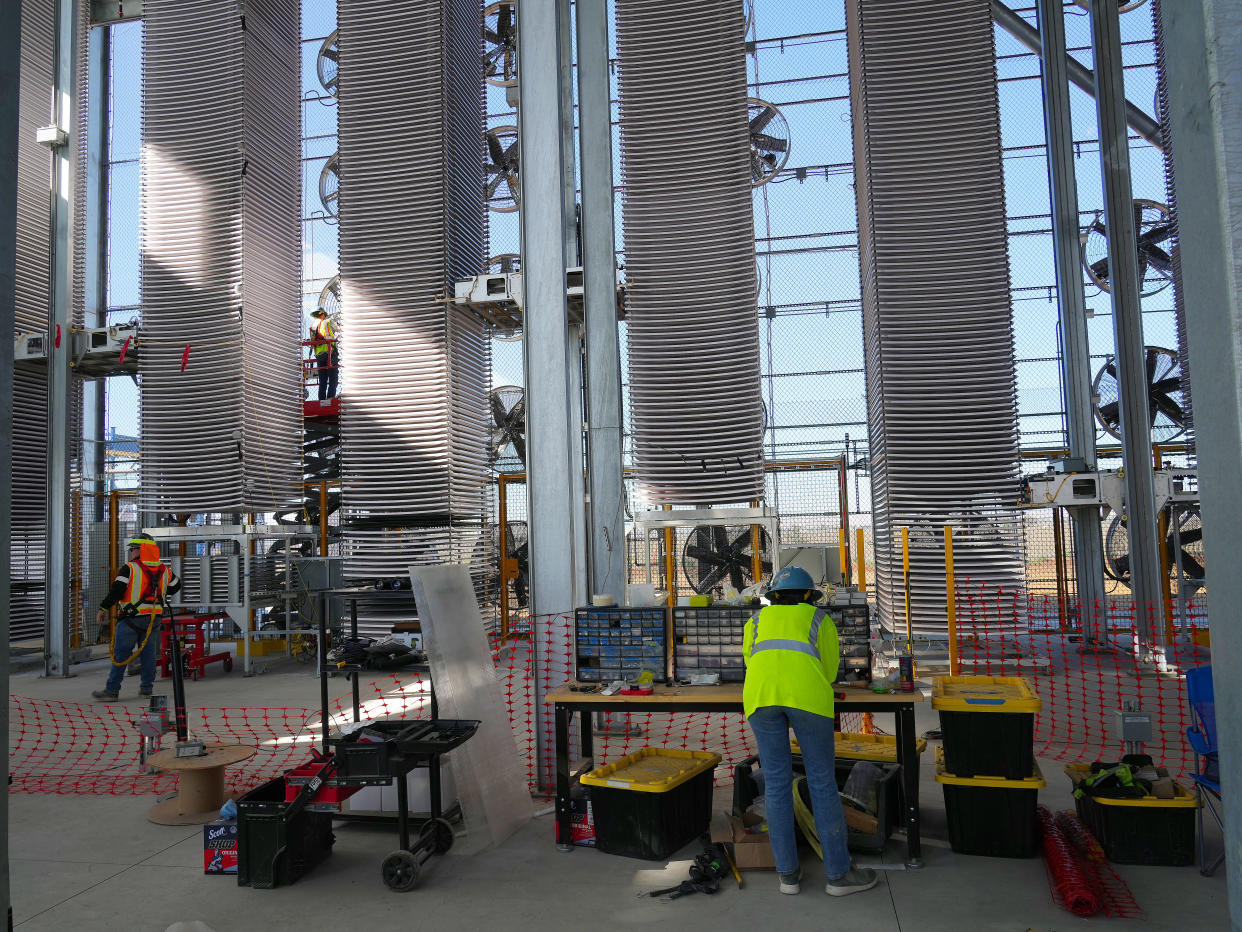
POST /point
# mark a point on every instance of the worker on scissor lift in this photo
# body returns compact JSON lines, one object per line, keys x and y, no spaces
{"x":327,"y":354}
{"x":140,"y":588}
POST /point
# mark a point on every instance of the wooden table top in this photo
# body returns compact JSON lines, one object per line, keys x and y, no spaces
{"x":726,"y":694}
{"x":218,"y":755}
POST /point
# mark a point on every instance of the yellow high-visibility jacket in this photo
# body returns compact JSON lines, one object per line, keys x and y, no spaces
{"x":792,"y":657}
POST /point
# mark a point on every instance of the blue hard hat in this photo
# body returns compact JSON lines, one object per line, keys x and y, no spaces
{"x":793,"y":578}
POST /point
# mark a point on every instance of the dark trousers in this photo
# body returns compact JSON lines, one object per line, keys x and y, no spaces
{"x":329,"y":370}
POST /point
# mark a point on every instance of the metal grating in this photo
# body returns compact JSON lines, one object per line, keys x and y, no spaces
{"x":938,"y":331}
{"x":416,"y":370}
{"x":697,"y":419}
{"x":221,"y":428}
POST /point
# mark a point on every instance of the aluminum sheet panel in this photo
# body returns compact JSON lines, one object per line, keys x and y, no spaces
{"x":693,"y":332}
{"x":937,"y":322}
{"x":221,"y":256}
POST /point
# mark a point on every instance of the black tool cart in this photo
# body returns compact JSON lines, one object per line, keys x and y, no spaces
{"x":284,"y":826}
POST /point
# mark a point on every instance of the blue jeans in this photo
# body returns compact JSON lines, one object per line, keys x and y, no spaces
{"x":771,"y":726}
{"x":128,"y":637}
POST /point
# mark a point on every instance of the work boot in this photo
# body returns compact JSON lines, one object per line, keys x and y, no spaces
{"x":856,"y":880}
{"x":792,"y":883}
{"x":104,"y":696}
{"x":145,"y":692}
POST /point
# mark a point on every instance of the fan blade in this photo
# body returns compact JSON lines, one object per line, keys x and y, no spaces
{"x":511,"y":156}
{"x":499,"y":414}
{"x":1192,"y":567}
{"x":1158,"y":233}
{"x":1192,"y":536}
{"x":519,"y":444}
{"x":768,"y":143}
{"x":1169,"y":408}
{"x":1170,"y":383}
{"x":711,"y":579}
{"x":761,"y":119}
{"x":492,"y":37}
{"x":495,"y":149}
{"x":496,"y":182}
{"x":1158,"y":259}
{"x":702,"y":554}
{"x":1109,"y":412}
{"x":504,"y":19}
{"x":1100,"y":269}
{"x":1097,"y":226}
{"x":756,"y":168}
{"x":331,"y":53}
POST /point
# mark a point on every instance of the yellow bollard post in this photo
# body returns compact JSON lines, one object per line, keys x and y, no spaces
{"x":905,"y":582}
{"x":862,"y":563}
{"x":950,"y":598}
{"x":843,"y":554}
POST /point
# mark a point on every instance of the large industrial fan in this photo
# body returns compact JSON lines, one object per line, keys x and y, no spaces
{"x":718,"y":555}
{"x":516,"y":553}
{"x":1153,"y":226}
{"x":500,"y":44}
{"x":508,"y":431}
{"x":330,"y":184}
{"x":329,"y":58}
{"x":1167,"y":415}
{"x":769,"y":141}
{"x":1183,"y":549}
{"x":330,"y":298}
{"x":502,"y":169}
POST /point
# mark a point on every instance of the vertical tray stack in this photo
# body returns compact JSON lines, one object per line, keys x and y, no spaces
{"x":619,"y":642}
{"x":852,"y":616}
{"x":709,"y":640}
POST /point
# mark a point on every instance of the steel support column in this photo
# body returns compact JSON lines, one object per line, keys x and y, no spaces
{"x":1076,"y":353}
{"x":10,"y":56}
{"x":546,"y":328}
{"x":94,"y":261}
{"x":1123,"y":276}
{"x":1203,"y":41}
{"x":599,"y":288}
{"x":59,"y":384}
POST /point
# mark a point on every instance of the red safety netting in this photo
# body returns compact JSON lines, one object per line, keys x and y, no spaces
{"x":69,"y":747}
{"x":1088,"y":662}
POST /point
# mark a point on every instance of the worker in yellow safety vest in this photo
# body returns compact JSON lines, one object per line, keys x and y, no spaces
{"x":327,"y":353}
{"x":792,"y":655}
{"x":140,"y":589}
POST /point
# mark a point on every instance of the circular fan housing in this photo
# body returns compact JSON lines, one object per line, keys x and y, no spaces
{"x":769,"y":141}
{"x":1166,"y":415}
{"x":1153,"y":227}
{"x":326,"y":64}
{"x":714,"y":556}
{"x":503,"y":192}
{"x":500,"y":44}
{"x":330,"y":297}
{"x":507,"y":436}
{"x":330,"y":184}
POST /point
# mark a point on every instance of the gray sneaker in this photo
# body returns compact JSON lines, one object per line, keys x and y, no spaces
{"x":856,"y":880}
{"x":104,"y":696}
{"x":792,"y":883}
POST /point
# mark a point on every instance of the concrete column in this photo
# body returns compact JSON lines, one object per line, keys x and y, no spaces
{"x":1076,"y":354}
{"x":1203,"y":40}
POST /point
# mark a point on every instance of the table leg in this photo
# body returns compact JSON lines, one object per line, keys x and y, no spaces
{"x":586,"y":730}
{"x":403,"y":812}
{"x":907,"y":756}
{"x":563,"y":812}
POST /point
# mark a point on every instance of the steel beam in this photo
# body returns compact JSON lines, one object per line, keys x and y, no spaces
{"x":1203,"y":43}
{"x":59,"y":383}
{"x":94,"y":261}
{"x":1076,"y":353}
{"x":10,"y":77}
{"x":1132,"y":384}
{"x":1080,"y":75}
{"x":599,"y":294}
{"x":549,"y":435}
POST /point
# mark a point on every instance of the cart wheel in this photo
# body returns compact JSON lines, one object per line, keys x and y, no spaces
{"x":188,"y":670}
{"x":441,"y":832}
{"x":228,"y":663}
{"x":400,"y":871}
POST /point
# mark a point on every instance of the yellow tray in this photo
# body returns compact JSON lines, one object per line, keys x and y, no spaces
{"x":1182,"y":798}
{"x":652,"y":770}
{"x":879,"y":748}
{"x":1034,"y":782}
{"x":1007,"y":694}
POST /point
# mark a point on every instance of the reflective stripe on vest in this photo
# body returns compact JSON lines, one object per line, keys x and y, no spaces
{"x":809,"y":646}
{"x":139,"y":592}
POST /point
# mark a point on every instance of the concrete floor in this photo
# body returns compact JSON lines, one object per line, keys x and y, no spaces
{"x":94,"y":862}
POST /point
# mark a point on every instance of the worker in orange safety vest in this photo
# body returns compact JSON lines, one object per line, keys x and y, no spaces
{"x":327,"y":353}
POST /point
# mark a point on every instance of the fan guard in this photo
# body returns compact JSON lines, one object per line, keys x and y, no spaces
{"x":326,"y":63}
{"x":717,"y":554}
{"x":507,"y":436}
{"x":500,"y":44}
{"x":1188,"y":532}
{"x":769,"y":141}
{"x":1153,"y":226}
{"x":330,"y":184}
{"x":502,"y":191}
{"x":1167,"y":416}
{"x":330,"y":297}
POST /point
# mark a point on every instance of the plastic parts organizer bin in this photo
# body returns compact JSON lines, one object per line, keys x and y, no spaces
{"x":651,"y":803}
{"x":274,"y":849}
{"x":1140,"y":831}
{"x":708,"y":639}
{"x":619,"y":643}
{"x":988,"y":723}
{"x":991,"y":816}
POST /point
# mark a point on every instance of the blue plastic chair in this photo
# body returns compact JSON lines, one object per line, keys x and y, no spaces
{"x":1202,"y":738}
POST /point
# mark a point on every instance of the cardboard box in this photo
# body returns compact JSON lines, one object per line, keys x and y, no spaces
{"x":752,"y":851}
{"x":220,"y":847}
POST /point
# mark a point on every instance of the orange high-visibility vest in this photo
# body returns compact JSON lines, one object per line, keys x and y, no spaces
{"x":148,"y":581}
